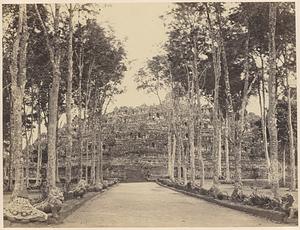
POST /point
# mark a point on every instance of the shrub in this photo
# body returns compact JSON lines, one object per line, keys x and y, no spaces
{"x":287,"y":202}
{"x":266,"y":202}
{"x":222,"y":196}
{"x":237,"y":195}
{"x":203,"y":191}
{"x":80,"y":189}
{"x":105,"y":184}
{"x":167,"y":182}
{"x":214,"y":191}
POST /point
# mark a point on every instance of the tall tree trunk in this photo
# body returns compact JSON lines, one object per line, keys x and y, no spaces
{"x":229,"y":126}
{"x":52,"y":127}
{"x":263,"y":118}
{"x":87,"y":117}
{"x":199,"y":132}
{"x":220,"y":149}
{"x":97,"y":165}
{"x":169,"y":151}
{"x":81,"y":131}
{"x":86,"y":161}
{"x":217,"y":66}
{"x":26,"y":163}
{"x":173,"y":157}
{"x":192,"y":149}
{"x":10,"y":166}
{"x":241,"y":122}
{"x":184,"y":171}
{"x":54,"y":53}
{"x":227,"y":163}
{"x":18,"y":80}
{"x":28,"y":140}
{"x":94,"y":158}
{"x":291,"y":140}
{"x":39,"y":149}
{"x":69,"y":101}
{"x":191,"y":128}
{"x":283,"y":167}
{"x":201,"y":161}
{"x":272,"y":101}
{"x":216,"y":52}
{"x":16,"y":140}
{"x":57,"y":154}
{"x":179,"y":157}
{"x":11,"y":152}
{"x":100,"y":164}
{"x":53,"y":111}
{"x":199,"y":145}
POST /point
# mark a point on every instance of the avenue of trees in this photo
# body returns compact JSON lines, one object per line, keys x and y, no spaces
{"x":221,"y":54}
{"x":57,"y":61}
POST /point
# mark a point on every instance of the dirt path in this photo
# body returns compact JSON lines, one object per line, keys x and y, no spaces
{"x":150,"y":205}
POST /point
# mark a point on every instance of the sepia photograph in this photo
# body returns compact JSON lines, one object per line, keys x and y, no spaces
{"x":149,"y":114}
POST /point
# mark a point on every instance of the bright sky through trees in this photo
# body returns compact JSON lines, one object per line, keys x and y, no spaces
{"x":139,"y":26}
{"x":143,"y":32}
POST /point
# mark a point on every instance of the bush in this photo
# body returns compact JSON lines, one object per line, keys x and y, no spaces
{"x":105,"y":184}
{"x":202,"y":191}
{"x":287,"y":201}
{"x":179,"y":186}
{"x":165,"y":181}
{"x":237,"y":195}
{"x":222,"y":196}
{"x":262,"y":201}
{"x":214,"y":191}
{"x":96,"y":187}
{"x":80,"y":189}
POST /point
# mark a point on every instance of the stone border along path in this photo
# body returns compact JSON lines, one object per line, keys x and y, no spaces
{"x":264,"y":213}
{"x":66,"y":210}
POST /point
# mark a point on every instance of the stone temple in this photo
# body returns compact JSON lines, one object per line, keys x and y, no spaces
{"x":135,"y":147}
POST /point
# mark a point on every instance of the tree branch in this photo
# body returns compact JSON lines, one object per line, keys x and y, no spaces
{"x":50,"y":48}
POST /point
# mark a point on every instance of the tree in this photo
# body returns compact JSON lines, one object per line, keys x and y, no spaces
{"x":157,"y":75}
{"x":100,"y":57}
{"x":18,"y":81}
{"x":283,"y":127}
{"x":291,"y":141}
{"x":216,"y":52}
{"x":288,"y":52}
{"x":241,"y":123}
{"x":18,"y":54}
{"x":261,"y":93}
{"x":69,"y":98}
{"x":55,"y":58}
{"x":272,"y":101}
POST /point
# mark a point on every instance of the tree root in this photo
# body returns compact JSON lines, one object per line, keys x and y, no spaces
{"x":53,"y":203}
{"x":20,"y":210}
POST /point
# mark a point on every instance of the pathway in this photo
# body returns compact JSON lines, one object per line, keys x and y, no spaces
{"x":150,"y":205}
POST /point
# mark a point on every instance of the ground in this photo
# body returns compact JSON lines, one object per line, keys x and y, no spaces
{"x":150,"y":205}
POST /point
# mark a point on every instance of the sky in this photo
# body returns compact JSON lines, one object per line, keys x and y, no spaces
{"x":142,"y":31}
